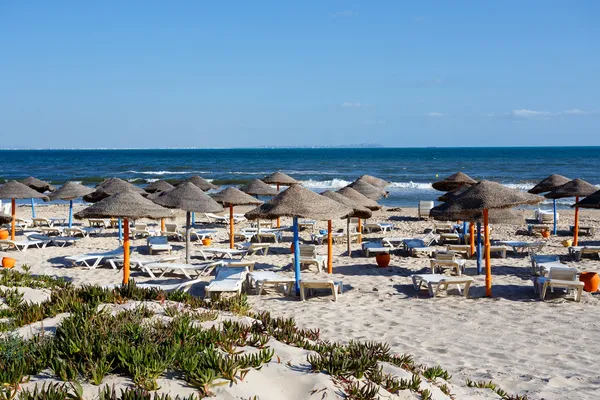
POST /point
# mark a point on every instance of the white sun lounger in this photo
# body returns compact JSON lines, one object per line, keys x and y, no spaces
{"x":171,"y":287}
{"x":141,"y":262}
{"x":254,"y":248}
{"x":539,"y":259}
{"x":212,"y":218}
{"x":378,"y":226}
{"x":436,"y":282}
{"x":258,"y":280}
{"x":309,"y":256}
{"x":83,"y":231}
{"x":158,"y":243}
{"x":99,"y":223}
{"x":208,"y":253}
{"x":58,"y":241}
{"x":229,"y":279}
{"x":577,"y":252}
{"x":22,"y":245}
{"x":522,"y":247}
{"x":335,"y":287}
{"x":560,"y":277}
{"x":374,"y":248}
{"x":164,"y":267}
{"x":92,"y":260}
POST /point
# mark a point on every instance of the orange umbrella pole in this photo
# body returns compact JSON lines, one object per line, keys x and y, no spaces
{"x":126,"y":252}
{"x":162,"y":225}
{"x":14,"y":219}
{"x":576,"y":227}
{"x":329,"y":249}
{"x":278,"y":219}
{"x":359,"y":231}
{"x":472,"y":237}
{"x":488,"y":264}
{"x":230,"y":226}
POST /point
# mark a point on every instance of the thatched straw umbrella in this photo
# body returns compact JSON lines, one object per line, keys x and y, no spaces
{"x":15,"y":190}
{"x":189,"y":198}
{"x":231,"y":197}
{"x":453,"y":181}
{"x":358,"y":211}
{"x":453,"y":193}
{"x":591,"y":201}
{"x":126,"y":205}
{"x":368,"y":190}
{"x":38,"y":186}
{"x":297,"y":201}
{"x":158,"y":186}
{"x":552,"y":182}
{"x":576,"y":188}
{"x":361,"y":199}
{"x":70,"y":191}
{"x":380,"y":183}
{"x":485,"y":196}
{"x":5,"y":218}
{"x":256,"y":187}
{"x":202,"y":183}
{"x":280,"y":179}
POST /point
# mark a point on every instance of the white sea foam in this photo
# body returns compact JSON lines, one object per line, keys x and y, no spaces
{"x":410,"y":185}
{"x":168,"y":172}
{"x":327,"y":184}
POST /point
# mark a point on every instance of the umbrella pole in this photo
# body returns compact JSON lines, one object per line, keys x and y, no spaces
{"x":554,"y":216}
{"x":32,"y":208}
{"x":348,"y":235}
{"x":479,"y":248}
{"x":70,"y":213}
{"x":297,"y":256}
{"x":278,"y":218}
{"x":162,"y":225}
{"x":329,"y":250}
{"x":188,"y":219}
{"x":359,"y":228}
{"x":488,"y":266}
{"x":126,"y":253}
{"x":14,"y":218}
{"x":472,"y":237}
{"x":120,"y":226}
{"x":193,"y":219}
{"x":576,"y":227}
{"x":231,"y":226}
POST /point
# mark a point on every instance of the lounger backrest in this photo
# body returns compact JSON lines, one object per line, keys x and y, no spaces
{"x":158,"y":240}
{"x":171,"y":228}
{"x":235,"y":273}
{"x":141,"y":227}
{"x":428,"y":239}
{"x":563,"y":274}
{"x":308,"y":251}
{"x":446,"y":255}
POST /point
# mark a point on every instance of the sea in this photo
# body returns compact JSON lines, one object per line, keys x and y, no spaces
{"x":410,"y":170}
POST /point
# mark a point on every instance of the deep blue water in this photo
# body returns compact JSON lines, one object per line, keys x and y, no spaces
{"x":411,"y":170}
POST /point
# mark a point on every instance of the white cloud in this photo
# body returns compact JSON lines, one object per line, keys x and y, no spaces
{"x":353,"y":104}
{"x":343,"y":14}
{"x":435,"y":114}
{"x":524,"y":113}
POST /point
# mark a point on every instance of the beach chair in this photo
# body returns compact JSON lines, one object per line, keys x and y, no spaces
{"x":449,"y":260}
{"x":171,"y":287}
{"x":424,"y":209}
{"x":41,"y":221}
{"x":23,"y":245}
{"x":254,"y":248}
{"x":378,"y":226}
{"x":414,"y":246}
{"x":51,"y":230}
{"x":577,"y":252}
{"x":271,"y":235}
{"x":83,"y":231}
{"x":140,"y":262}
{"x":203,"y":269}
{"x":92,"y":260}
{"x":227,"y":280}
{"x":142,"y":231}
{"x":440,"y":227}
{"x":565,"y":278}
{"x":374,"y":248}
{"x":158,"y":243}
{"x":538,"y":259}
{"x":58,"y":241}
{"x":99,"y":223}
{"x":23,"y":223}
{"x":309,"y":256}
{"x":201,"y":234}
{"x":259,"y":280}
{"x":520,"y":248}
{"x":454,"y":238}
{"x":307,"y":224}
{"x":436,"y":282}
{"x":172,"y":231}
{"x":583,"y":230}
{"x":462,"y":249}
{"x":306,"y":285}
{"x":266,"y":224}
{"x":208,"y":253}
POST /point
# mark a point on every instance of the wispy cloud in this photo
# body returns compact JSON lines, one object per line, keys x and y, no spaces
{"x":524,"y":113}
{"x":353,"y":104}
{"x":343,"y":14}
{"x":435,"y":114}
{"x":374,"y":122}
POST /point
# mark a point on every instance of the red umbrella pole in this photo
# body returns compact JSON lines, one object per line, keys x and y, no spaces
{"x":472,"y":237}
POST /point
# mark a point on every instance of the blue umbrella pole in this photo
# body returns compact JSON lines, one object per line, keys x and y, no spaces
{"x":120,"y":226}
{"x":193,"y":219}
{"x":297,"y":256}
{"x":555,"y":216}
{"x":70,"y":213}
{"x":32,"y":208}
{"x":479,"y":248}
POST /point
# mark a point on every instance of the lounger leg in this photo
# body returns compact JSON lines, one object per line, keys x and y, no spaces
{"x":579,"y":293}
{"x":467,"y":287}
{"x":543,"y":291}
{"x":458,"y":287}
{"x":415,"y":285}
{"x":334,"y":291}
{"x":260,"y":287}
{"x":432,"y":293}
{"x":302,"y":295}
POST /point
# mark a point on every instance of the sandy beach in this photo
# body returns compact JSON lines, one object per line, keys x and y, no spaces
{"x":541,"y":349}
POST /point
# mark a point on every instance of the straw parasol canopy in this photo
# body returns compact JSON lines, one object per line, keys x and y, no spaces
{"x":368,"y":190}
{"x":38,"y":185}
{"x":125,"y":204}
{"x":234,"y":197}
{"x":70,"y":191}
{"x":446,"y":212}
{"x":202,"y":183}
{"x":380,"y":183}
{"x":575,"y":188}
{"x":453,"y":193}
{"x":279,"y":178}
{"x":158,"y":186}
{"x":297,"y":201}
{"x":359,"y":198}
{"x":256,"y":187}
{"x":552,"y":182}
{"x":188,"y":197}
{"x":453,"y":181}
{"x":591,"y":201}
{"x":17,"y":190}
{"x":358,"y":211}
{"x":111,"y":186}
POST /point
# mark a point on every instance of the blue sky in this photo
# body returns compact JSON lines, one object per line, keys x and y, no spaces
{"x":238,"y":74}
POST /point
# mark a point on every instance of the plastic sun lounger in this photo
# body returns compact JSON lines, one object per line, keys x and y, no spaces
{"x":254,"y":248}
{"x":577,"y":252}
{"x":378,"y":226}
{"x":164,"y":267}
{"x":436,"y":282}
{"x":335,"y":287}
{"x":227,"y":280}
{"x":58,"y":241}
{"x":457,"y":265}
{"x":23,"y":245}
{"x":83,"y":231}
{"x":374,"y":248}
{"x":260,"y":279}
{"x":171,"y":287}
{"x":215,"y":252}
{"x":158,"y":243}
{"x":558,"y":277}
{"x":521,"y":247}
{"x":309,"y":256}
{"x":539,"y":259}
{"x":307,"y":224}
{"x":99,"y":223}
{"x":92,"y":260}
{"x":275,"y":236}
{"x":140,"y":262}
